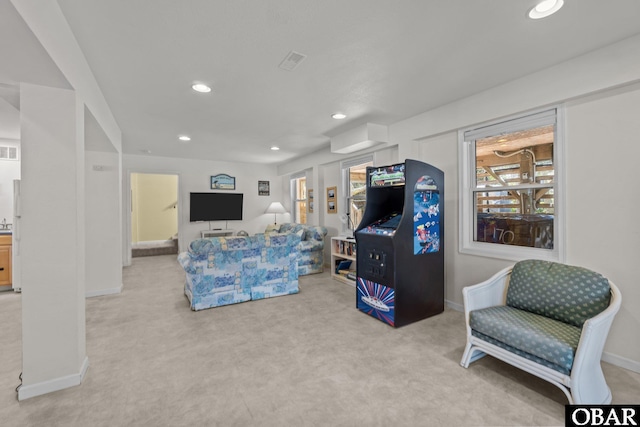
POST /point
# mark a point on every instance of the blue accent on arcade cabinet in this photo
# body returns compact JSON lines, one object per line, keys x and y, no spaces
{"x":426,"y":221}
{"x":376,"y":300}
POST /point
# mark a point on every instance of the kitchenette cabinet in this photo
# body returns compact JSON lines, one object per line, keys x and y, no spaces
{"x":5,"y":260}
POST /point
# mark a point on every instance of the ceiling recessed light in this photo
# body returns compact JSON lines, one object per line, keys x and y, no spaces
{"x":274,"y":148}
{"x":184,"y":138}
{"x":146,"y":151}
{"x":338,"y":116}
{"x":201,"y":87}
{"x":545,"y":8}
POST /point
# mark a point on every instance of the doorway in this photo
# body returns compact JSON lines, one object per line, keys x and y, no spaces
{"x":154,"y":214}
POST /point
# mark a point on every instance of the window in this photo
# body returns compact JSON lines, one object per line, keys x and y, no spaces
{"x":510,"y":188}
{"x":299,"y":197}
{"x":9,"y":153}
{"x":355,"y":184}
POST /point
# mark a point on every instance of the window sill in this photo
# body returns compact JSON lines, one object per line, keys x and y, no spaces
{"x":509,"y":252}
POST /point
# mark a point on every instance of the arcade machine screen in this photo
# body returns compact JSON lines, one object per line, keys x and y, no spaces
{"x":386,"y":225}
{"x":387,"y":176}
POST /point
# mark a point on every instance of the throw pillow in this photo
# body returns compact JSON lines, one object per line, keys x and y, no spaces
{"x":272,"y":228}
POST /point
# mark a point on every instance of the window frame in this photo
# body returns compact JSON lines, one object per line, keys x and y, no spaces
{"x":293,"y":180}
{"x":466,"y":187}
{"x":346,"y":183}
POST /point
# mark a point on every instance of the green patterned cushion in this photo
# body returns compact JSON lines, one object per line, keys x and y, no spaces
{"x":548,"y":339}
{"x":562,"y":292}
{"x":520,"y":353}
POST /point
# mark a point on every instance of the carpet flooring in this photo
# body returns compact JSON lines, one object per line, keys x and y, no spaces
{"x":309,"y":359}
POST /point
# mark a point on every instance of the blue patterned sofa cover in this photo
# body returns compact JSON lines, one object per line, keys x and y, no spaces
{"x":229,"y":270}
{"x":554,"y":316}
{"x":311,"y":246}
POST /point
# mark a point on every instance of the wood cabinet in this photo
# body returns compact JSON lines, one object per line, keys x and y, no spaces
{"x":5,"y":259}
{"x":343,"y":251}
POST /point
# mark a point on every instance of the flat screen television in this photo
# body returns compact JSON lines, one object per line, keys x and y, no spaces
{"x":215,"y":207}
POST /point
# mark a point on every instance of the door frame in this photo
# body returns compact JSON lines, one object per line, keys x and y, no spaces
{"x":127,"y":206}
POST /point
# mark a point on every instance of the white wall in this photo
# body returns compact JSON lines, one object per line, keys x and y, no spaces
{"x":604,"y":201}
{"x":103,"y":226}
{"x":194,"y":176}
{"x":602,"y":125}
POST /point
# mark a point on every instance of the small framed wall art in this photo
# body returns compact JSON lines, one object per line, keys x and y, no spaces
{"x":222,"y":181}
{"x":263,"y":188}
{"x":310,"y":197}
{"x":332,"y":201}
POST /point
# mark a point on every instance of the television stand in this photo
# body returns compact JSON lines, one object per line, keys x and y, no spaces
{"x":216,"y":233}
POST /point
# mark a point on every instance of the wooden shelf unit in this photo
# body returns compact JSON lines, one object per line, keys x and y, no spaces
{"x":343,"y":249}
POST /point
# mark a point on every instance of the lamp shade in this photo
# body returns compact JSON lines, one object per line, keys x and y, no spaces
{"x":276,"y":208}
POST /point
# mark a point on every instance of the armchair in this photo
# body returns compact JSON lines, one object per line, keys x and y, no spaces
{"x":548,"y":319}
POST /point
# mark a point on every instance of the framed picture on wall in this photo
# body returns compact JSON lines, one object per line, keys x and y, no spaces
{"x":310,"y":197}
{"x":222,"y":181}
{"x":263,"y":188}
{"x":331,"y":193}
{"x":332,"y":200}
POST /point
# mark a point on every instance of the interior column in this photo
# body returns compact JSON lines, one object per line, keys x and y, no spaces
{"x":52,"y":240}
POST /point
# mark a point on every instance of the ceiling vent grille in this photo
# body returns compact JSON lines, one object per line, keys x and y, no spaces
{"x":292,"y":60}
{"x":8,"y":153}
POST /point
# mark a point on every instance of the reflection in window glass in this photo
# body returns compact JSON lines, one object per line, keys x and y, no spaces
{"x":357,"y":197}
{"x":300,"y":205}
{"x":514,"y":187}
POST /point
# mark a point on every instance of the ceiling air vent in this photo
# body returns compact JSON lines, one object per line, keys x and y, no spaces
{"x":8,"y":153}
{"x":292,"y":60}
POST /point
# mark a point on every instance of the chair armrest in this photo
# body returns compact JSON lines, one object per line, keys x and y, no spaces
{"x":595,"y":331}
{"x":186,"y":261}
{"x":586,"y":374}
{"x":491,"y":292}
{"x":315,"y":233}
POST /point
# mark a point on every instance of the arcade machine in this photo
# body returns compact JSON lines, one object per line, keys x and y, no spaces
{"x":400,"y":240}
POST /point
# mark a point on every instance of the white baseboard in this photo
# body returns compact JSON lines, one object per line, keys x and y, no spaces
{"x":101,"y":292}
{"x":620,"y":361}
{"x":49,"y":386}
{"x":454,"y":305}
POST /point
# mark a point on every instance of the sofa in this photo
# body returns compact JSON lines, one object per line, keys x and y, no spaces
{"x":229,"y":270}
{"x":311,"y":245}
{"x":548,"y":319}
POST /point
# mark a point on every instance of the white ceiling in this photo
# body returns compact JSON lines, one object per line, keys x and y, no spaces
{"x":377,"y":61}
